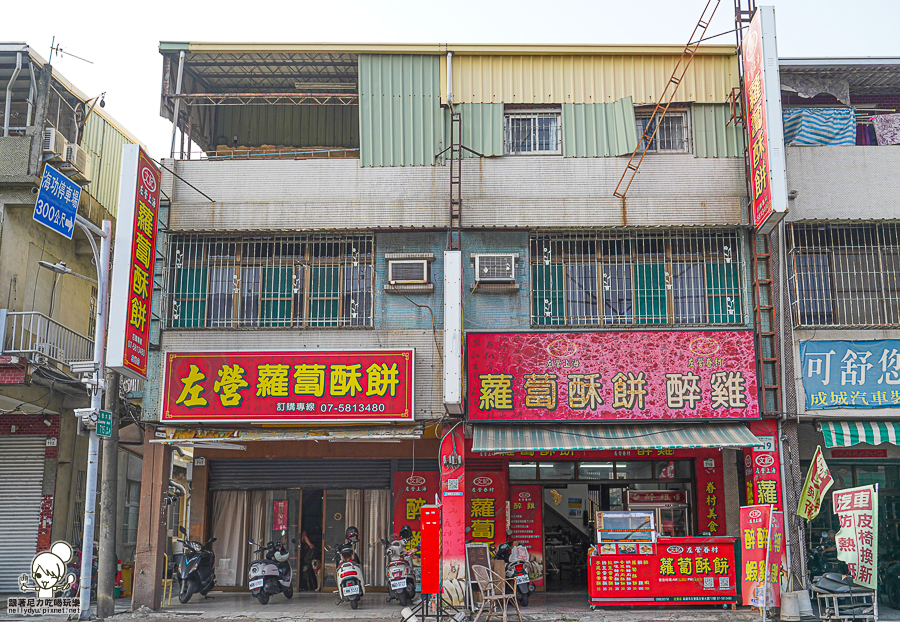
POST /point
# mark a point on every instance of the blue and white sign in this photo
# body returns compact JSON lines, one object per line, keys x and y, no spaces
{"x":851,"y":374}
{"x":57,"y":202}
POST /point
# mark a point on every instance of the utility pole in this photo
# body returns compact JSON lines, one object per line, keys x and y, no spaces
{"x":107,"y":562}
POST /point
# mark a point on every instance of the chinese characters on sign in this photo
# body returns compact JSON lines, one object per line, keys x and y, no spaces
{"x":131,"y":286}
{"x":526,"y":524}
{"x":313,"y":385}
{"x":486,"y":496}
{"x":851,"y":374}
{"x":279,"y":515}
{"x":857,"y":540}
{"x":611,"y":375}
{"x":57,"y":202}
{"x":763,"y":465}
{"x":818,"y":481}
{"x":761,"y":540}
{"x":412,"y":490}
{"x":710,"y":504}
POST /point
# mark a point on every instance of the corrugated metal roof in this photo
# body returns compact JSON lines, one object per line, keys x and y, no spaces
{"x":585,"y":79}
{"x":714,"y":136}
{"x":400,"y":117}
{"x":597,"y":130}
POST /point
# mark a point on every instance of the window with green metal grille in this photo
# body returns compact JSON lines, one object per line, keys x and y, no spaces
{"x":634,"y":278}
{"x":270,"y":282}
{"x":844,"y":275}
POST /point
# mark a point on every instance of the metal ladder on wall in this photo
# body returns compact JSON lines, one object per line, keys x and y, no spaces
{"x":456,"y":148}
{"x":665,"y":99}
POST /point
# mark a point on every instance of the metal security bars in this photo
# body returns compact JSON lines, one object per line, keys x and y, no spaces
{"x":269,"y":282}
{"x":532,"y":132}
{"x":634,"y":278}
{"x":672,"y":136}
{"x":845,"y":275}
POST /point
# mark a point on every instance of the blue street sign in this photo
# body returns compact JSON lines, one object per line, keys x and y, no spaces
{"x":57,"y":202}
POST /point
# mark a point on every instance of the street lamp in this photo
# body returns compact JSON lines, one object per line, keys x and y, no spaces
{"x":96,"y":386}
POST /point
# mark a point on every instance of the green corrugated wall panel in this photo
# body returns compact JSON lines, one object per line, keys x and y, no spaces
{"x":400,"y":117}
{"x":482,"y":128}
{"x":714,"y":136}
{"x":288,"y":126}
{"x":104,"y":144}
{"x":597,"y":130}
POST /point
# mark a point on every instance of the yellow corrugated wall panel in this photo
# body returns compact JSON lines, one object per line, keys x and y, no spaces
{"x":586,"y":79}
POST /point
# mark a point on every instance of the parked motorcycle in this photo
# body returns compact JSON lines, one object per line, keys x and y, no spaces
{"x":196,"y":568}
{"x":889,"y":578}
{"x":516,"y":558}
{"x":399,"y":568}
{"x":271,"y":573}
{"x":351,"y":586}
{"x":818,"y":562}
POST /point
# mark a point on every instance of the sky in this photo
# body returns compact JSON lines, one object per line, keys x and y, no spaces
{"x":121,"y":39}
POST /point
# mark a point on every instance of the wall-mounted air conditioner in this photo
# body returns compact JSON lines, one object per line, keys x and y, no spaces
{"x":79,"y":158}
{"x":54,"y":144}
{"x":495,"y":268}
{"x":408,"y":271}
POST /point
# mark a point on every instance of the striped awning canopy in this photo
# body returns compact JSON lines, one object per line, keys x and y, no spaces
{"x":847,"y":433}
{"x":568,"y":437}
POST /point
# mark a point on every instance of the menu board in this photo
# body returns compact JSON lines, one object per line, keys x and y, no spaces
{"x":681,"y":570}
{"x":526,"y":524}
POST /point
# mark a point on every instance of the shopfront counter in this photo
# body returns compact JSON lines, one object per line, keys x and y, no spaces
{"x":671,"y":570}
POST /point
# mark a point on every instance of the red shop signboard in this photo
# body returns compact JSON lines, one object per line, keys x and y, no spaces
{"x":412,"y":490}
{"x":526,"y":519}
{"x":682,"y":570}
{"x":762,"y":465}
{"x":486,"y":496}
{"x":612,"y":376}
{"x":298,"y":386}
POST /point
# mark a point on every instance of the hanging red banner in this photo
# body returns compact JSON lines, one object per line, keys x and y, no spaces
{"x":526,"y":519}
{"x":279,"y":516}
{"x":412,"y":490}
{"x":486,"y":496}
{"x":763,"y":465}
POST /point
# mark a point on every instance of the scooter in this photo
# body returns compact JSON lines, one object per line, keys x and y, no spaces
{"x":516,"y":558}
{"x":351,"y":586}
{"x":196,"y":569}
{"x":74,"y":567}
{"x":400,"y":575}
{"x":272,"y":572}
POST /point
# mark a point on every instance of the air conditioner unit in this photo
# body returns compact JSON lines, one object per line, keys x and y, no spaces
{"x":408,"y":271}
{"x":495,"y":268}
{"x":78,"y":157}
{"x":54,"y":144}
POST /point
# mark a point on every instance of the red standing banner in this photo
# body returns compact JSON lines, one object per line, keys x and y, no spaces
{"x":486,"y":495}
{"x":526,"y":519}
{"x":301,"y":386}
{"x":131,"y":284}
{"x":762,"y":540}
{"x":763,"y":465}
{"x":279,"y":516}
{"x":612,"y":375}
{"x":412,"y":490}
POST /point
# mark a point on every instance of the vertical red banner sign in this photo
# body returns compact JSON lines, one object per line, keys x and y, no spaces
{"x":710,"y":494}
{"x":526,"y":519}
{"x":454,"y":516}
{"x":486,"y":496}
{"x":755,"y":101}
{"x":131,"y":285}
{"x":412,"y":490}
{"x":279,"y":516}
{"x":763,"y":465}
{"x":761,"y":540}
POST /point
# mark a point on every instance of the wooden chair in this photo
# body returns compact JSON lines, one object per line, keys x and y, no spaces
{"x":493,"y":594}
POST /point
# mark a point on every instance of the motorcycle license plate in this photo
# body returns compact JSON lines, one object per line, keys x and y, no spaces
{"x":522,"y":578}
{"x":398,"y":584}
{"x":255,"y":584}
{"x":350,"y":590}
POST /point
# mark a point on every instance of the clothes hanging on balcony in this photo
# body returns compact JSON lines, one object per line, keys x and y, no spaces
{"x":887,"y":128}
{"x":819,"y":126}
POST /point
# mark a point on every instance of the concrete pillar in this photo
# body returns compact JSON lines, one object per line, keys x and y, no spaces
{"x":197,"y":528}
{"x":151,"y":539}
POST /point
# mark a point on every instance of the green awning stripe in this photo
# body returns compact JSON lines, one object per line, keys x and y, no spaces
{"x":847,"y":433}
{"x":573,"y":437}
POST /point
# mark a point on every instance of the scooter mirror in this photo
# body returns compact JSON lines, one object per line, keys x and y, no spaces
{"x":181,"y":530}
{"x":283,"y":532}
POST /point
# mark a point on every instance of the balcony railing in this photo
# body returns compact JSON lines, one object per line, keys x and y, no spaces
{"x":34,"y":335}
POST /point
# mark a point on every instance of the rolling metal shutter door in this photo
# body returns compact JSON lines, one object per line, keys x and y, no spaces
{"x":278,"y":474}
{"x":22,"y":466}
